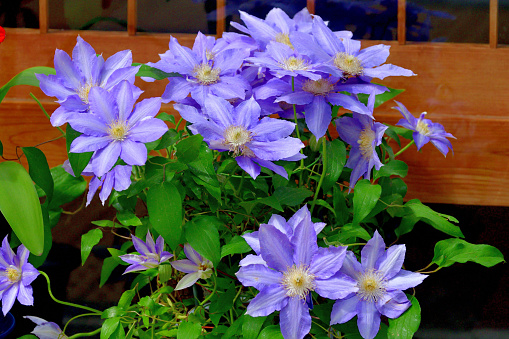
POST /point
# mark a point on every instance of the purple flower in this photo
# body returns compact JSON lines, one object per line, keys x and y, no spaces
{"x":114,"y":129}
{"x":150,"y":255}
{"x":425,"y":130}
{"x":380,"y":281}
{"x":74,"y":78}
{"x":16,"y":275}
{"x":253,"y":142}
{"x":46,"y":329}
{"x":364,"y":136}
{"x":204,"y":71}
{"x":294,"y":267}
{"x":196,"y":267}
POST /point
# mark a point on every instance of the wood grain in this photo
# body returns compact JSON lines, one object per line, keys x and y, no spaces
{"x":402,"y":22}
{"x":493,"y":23}
{"x":132,"y":17}
{"x":43,"y":16}
{"x":462,"y":86}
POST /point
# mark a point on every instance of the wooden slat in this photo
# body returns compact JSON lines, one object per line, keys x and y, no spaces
{"x":221,"y":17}
{"x":402,"y":22}
{"x":311,"y":6}
{"x":493,"y":23}
{"x":132,"y":16}
{"x":43,"y":16}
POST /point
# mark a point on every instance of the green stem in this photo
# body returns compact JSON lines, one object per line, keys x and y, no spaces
{"x":88,"y":334}
{"x":211,"y":293}
{"x":322,"y":177}
{"x":178,"y":123}
{"x":404,"y":148}
{"x":44,"y":111}
{"x":65,"y":302}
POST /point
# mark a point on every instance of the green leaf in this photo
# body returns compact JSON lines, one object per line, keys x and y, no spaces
{"x":78,"y":161}
{"x":221,"y":303}
{"x":89,"y":240}
{"x":204,"y":237}
{"x":393,"y":167}
{"x":109,"y":265}
{"x":204,"y":173}
{"x":450,"y":251}
{"x":408,"y":323}
{"x":38,"y":169}
{"x":291,"y":196}
{"x":151,"y":72}
{"x":325,"y":204}
{"x":1,"y":149}
{"x":165,"y":212}
{"x":166,"y":117}
{"x":381,"y":98}
{"x":188,"y":330}
{"x":271,"y":332}
{"x":109,"y":326}
{"x":189,"y":148}
{"x":433,"y":218}
{"x":48,"y":240}
{"x":126,"y":298}
{"x":20,"y":206}
{"x":26,"y":77}
{"x":271,"y":201}
{"x":235,"y":246}
{"x":105,"y":223}
{"x":336,"y":159}
{"x":406,"y":225}
{"x":28,"y":336}
{"x":66,"y":188}
{"x":252,"y":326}
{"x":350,"y":231}
{"x":365,"y":198}
{"x":128,"y":218}
{"x":112,"y":312}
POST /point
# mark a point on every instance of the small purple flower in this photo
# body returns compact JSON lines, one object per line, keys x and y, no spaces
{"x":425,"y":130}
{"x":294,"y":267}
{"x":380,"y":281}
{"x":74,"y":78}
{"x":252,"y":141}
{"x":16,"y":275}
{"x":150,"y":255}
{"x":46,"y":329}
{"x":119,"y":178}
{"x":114,"y":129}
{"x":364,"y":136}
{"x":196,"y":267}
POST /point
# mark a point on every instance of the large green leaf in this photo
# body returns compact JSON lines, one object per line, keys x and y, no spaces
{"x":204,"y":237}
{"x":26,"y":77}
{"x":66,"y":188}
{"x":89,"y":240}
{"x":271,"y":332}
{"x":38,"y":169}
{"x":393,"y":167}
{"x":189,"y":148}
{"x":291,"y":196}
{"x":20,"y":206}
{"x":381,"y":98}
{"x":204,"y":173}
{"x":235,"y":246}
{"x":365,"y":198}
{"x":78,"y":160}
{"x":433,"y":218}
{"x":336,"y":159}
{"x":188,"y":330}
{"x":252,"y":326}
{"x":165,"y":212}
{"x":450,"y":251}
{"x":407,"y":324}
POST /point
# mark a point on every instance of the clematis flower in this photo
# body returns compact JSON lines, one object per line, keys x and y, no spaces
{"x":74,"y":78}
{"x":380,"y":281}
{"x":16,"y":275}
{"x":253,"y":142}
{"x":196,"y":267}
{"x":150,"y":255}
{"x":425,"y":130}
{"x":294,"y":267}
{"x":46,"y":329}
{"x":114,"y":129}
{"x":364,"y":136}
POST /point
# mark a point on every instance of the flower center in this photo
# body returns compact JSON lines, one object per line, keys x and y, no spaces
{"x":13,"y":274}
{"x":297,"y":281}
{"x":118,"y":130}
{"x":84,"y":91}
{"x":294,"y":64}
{"x":206,"y":267}
{"x":372,"y":285}
{"x":350,"y":65}
{"x":318,"y":87}
{"x":422,"y":128}
{"x":283,"y":38}
{"x":366,"y":138}
{"x":236,"y":138}
{"x":206,"y":75}
{"x":210,"y":55}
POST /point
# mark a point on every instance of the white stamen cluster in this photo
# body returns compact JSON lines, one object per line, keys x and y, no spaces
{"x":294,"y":64}
{"x":118,"y":130}
{"x":283,"y":38}
{"x":205,"y":74}
{"x":318,"y":87}
{"x":348,"y":64}
{"x":236,"y":138}
{"x":423,"y":127}
{"x":13,"y":274}
{"x":83,"y":92}
{"x":372,"y":285}
{"x":298,"y":281}
{"x":366,"y":138}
